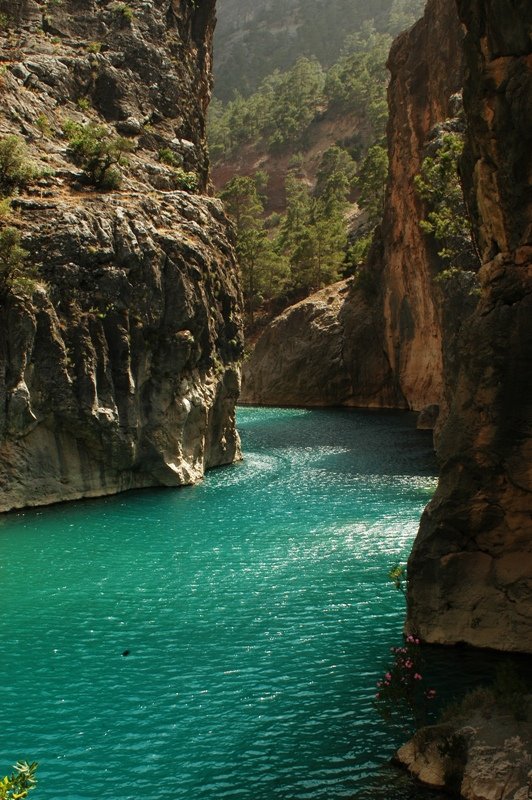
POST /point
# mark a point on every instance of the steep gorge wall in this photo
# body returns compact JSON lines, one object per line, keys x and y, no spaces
{"x":393,"y":340}
{"x":471,"y":566}
{"x":119,"y":368}
{"x":426,"y":66}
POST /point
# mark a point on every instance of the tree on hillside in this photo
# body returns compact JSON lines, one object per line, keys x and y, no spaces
{"x":297,"y":97}
{"x":313,"y":235}
{"x":371,"y":182}
{"x":438,"y":184}
{"x":263,"y":268}
{"x":403,"y":14}
{"x":358,"y":80}
{"x":335,"y":175}
{"x":281,"y":111}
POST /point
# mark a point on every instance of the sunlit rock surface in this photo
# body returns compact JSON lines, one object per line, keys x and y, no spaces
{"x":405,"y":323}
{"x":121,"y":369}
{"x":324,"y":351}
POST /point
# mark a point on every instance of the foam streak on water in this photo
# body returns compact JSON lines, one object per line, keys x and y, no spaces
{"x":255,"y":608}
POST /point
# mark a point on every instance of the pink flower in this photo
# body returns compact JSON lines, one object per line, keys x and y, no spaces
{"x":409,"y":638}
{"x":378,"y":696}
{"x":417,"y":676}
{"x":388,"y":676}
{"x":431,"y":694}
{"x":409,"y":664}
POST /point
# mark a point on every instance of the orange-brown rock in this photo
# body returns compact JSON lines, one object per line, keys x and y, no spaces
{"x":426,"y":66}
{"x":471,"y":566}
{"x":412,"y":319}
{"x":324,"y":351}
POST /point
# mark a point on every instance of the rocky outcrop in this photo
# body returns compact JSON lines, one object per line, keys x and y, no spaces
{"x":119,"y":361}
{"x":426,"y":66}
{"x":483,"y":753}
{"x":471,"y":566}
{"x":322,"y":352}
{"x":410,"y":321}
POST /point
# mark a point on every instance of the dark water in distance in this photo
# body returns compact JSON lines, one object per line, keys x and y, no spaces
{"x":256,"y":612}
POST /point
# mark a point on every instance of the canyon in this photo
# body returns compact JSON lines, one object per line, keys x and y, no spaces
{"x":397,"y":324}
{"x":120,"y":350}
{"x":456,"y":350}
{"x":120,"y":369}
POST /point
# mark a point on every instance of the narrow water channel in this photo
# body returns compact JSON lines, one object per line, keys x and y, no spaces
{"x":255,"y":609}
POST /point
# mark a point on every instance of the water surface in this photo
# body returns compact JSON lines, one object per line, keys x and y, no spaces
{"x":254,"y":607}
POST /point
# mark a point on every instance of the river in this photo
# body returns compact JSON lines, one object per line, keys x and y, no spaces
{"x":222,"y":640}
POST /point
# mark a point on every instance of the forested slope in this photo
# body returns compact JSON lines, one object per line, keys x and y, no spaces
{"x":254,"y":39}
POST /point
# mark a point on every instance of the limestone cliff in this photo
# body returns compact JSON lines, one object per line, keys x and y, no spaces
{"x":471,"y":566}
{"x":409,"y":319}
{"x":119,"y":365}
{"x":322,"y":352}
{"x":426,"y":66}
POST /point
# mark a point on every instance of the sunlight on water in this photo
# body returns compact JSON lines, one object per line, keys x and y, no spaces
{"x":254,"y":607}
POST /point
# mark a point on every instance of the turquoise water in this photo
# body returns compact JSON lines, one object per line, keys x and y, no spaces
{"x":254,"y":607}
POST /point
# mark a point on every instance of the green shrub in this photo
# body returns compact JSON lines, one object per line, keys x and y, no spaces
{"x":438,"y":185}
{"x":358,"y":253}
{"x":123,"y":11}
{"x":16,"y":169}
{"x":5,"y":208}
{"x":98,"y":153}
{"x":167,"y":156}
{"x":186,"y":180}
{"x":94,"y":47}
{"x":83,"y":103}
{"x":14,"y":270}
{"x":43,"y":124}
{"x":19,"y":783}
{"x":4,"y":22}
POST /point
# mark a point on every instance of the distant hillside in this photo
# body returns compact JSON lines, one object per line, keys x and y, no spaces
{"x":253,"y":39}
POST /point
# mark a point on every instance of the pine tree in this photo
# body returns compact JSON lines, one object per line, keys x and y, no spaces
{"x":263,"y":268}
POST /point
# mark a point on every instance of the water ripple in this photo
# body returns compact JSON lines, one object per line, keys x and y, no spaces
{"x":253,"y":609}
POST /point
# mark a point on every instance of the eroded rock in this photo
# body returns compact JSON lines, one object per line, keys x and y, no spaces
{"x":482,"y":754}
{"x":324,"y":351}
{"x":119,"y":366}
{"x":471,"y":566}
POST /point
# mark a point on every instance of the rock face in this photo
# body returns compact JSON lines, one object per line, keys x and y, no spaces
{"x":119,"y":365}
{"x":426,"y":66}
{"x":322,"y":352}
{"x":484,"y":753}
{"x":406,"y":322}
{"x":471,"y":566}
